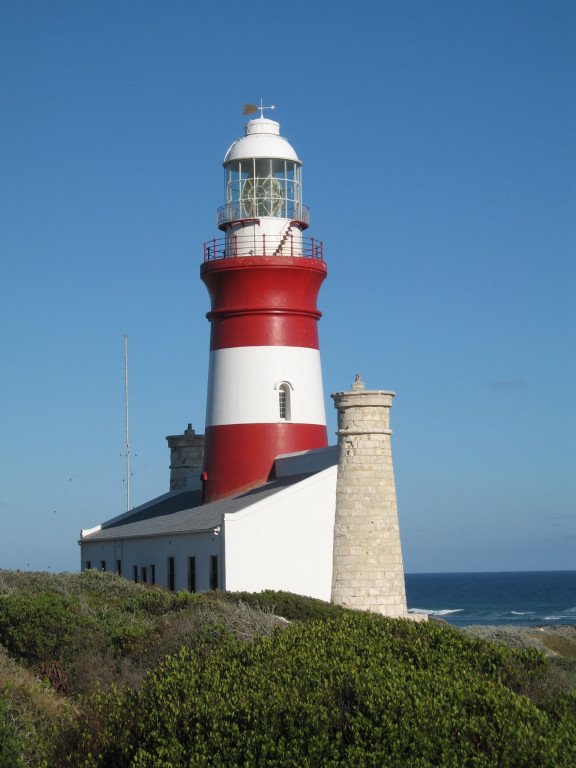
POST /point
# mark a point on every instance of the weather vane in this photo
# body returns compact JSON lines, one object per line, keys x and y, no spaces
{"x":249,"y":109}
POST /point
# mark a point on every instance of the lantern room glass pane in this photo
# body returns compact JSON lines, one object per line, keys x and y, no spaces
{"x":233,"y":183}
{"x":262,"y":167}
{"x":279,"y":169}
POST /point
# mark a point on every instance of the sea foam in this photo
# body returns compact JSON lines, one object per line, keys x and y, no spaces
{"x":434,"y":611}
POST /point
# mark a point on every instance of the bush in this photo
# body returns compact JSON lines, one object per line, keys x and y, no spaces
{"x":335,"y":688}
{"x":36,"y":627}
{"x":290,"y":606}
{"x":9,"y":751}
{"x":78,"y":630}
{"x":33,"y":709}
{"x":356,"y":690}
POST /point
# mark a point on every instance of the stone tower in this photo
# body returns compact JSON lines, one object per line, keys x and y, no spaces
{"x":186,"y":458}
{"x":368,"y":573}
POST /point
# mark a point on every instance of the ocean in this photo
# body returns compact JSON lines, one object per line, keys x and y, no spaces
{"x":524,"y":598}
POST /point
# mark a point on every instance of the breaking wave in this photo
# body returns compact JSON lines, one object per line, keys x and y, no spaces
{"x":435,"y":612}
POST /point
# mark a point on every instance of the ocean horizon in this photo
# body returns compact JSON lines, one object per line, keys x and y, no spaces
{"x":514,"y":598}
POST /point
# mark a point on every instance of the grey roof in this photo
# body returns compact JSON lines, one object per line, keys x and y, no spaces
{"x":183,"y":513}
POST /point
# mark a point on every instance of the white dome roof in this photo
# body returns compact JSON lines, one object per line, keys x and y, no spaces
{"x":262,"y":139}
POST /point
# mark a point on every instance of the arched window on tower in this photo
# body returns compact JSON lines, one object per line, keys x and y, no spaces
{"x":284,"y":405}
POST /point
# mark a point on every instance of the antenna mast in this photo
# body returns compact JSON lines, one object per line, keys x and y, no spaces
{"x":127,"y":445}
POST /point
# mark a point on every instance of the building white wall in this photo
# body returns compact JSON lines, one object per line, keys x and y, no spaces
{"x":250,"y":241}
{"x":147,"y":551}
{"x":284,"y":542}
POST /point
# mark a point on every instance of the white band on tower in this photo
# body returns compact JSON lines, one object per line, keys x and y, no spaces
{"x":244,"y":384}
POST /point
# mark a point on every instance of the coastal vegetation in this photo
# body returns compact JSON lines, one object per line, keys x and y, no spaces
{"x":98,"y":672}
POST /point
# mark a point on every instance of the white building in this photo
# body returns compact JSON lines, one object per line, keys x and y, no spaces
{"x":277,"y":536}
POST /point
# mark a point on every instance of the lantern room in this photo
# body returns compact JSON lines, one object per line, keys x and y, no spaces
{"x":263,"y":186}
{"x":263,"y":213}
{"x":262,"y":176}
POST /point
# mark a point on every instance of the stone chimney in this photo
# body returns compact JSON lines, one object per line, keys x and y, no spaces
{"x":186,"y":459}
{"x":368,"y":573}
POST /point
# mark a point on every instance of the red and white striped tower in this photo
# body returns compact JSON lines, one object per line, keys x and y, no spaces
{"x":265,"y":394}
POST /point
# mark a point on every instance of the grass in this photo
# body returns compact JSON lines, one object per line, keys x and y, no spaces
{"x":558,"y":643}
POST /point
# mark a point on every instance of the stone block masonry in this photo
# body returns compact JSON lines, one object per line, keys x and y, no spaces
{"x":186,"y":457}
{"x":368,"y":572}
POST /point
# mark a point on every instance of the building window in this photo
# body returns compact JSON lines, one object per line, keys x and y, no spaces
{"x":192,"y":574}
{"x":135,"y":573}
{"x":171,"y":580}
{"x":144,"y":575}
{"x":152,"y":575}
{"x":102,"y":565}
{"x":119,"y":567}
{"x":284,"y":402}
{"x":88,"y":564}
{"x":213,"y":571}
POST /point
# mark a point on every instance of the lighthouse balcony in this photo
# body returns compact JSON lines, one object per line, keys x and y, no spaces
{"x":289,"y":244}
{"x":239,"y":211}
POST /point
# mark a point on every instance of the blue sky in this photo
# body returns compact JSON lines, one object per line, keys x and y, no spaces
{"x":439,"y":149}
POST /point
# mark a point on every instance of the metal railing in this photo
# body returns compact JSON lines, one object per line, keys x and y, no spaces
{"x":263,"y":245}
{"x":239,"y":211}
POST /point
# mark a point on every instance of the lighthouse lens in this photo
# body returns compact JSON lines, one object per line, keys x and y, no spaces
{"x":262,"y":197}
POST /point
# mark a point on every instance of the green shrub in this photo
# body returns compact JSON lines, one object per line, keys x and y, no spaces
{"x":335,"y":688}
{"x":36,"y":627}
{"x":290,"y":606}
{"x":356,"y":690}
{"x":78,"y":630}
{"x":9,"y":751}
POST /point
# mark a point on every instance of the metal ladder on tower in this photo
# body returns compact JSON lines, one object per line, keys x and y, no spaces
{"x":283,"y":239}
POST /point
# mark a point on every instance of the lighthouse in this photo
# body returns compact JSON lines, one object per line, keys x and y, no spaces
{"x":263,"y":275}
{"x":261,"y":501}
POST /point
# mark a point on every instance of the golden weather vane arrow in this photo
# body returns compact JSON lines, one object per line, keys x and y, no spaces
{"x":249,"y":109}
